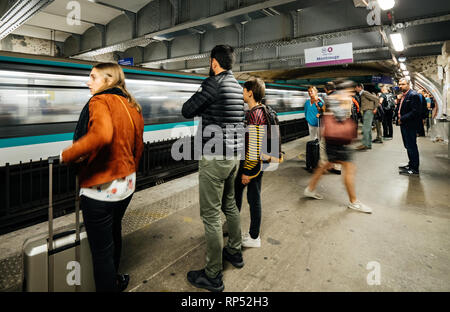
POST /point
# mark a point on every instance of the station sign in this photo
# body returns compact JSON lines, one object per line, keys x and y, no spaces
{"x":382,"y":79}
{"x":329,"y":55}
{"x":126,"y":61}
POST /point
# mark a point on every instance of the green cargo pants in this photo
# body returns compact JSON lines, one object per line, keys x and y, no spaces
{"x":216,"y":189}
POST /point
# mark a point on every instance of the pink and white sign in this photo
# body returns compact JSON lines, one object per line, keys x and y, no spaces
{"x":329,"y":55}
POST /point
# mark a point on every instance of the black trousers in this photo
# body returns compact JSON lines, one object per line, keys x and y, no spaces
{"x":409,"y":136}
{"x":103,"y":222}
{"x":253,"y":198}
{"x":387,"y":123}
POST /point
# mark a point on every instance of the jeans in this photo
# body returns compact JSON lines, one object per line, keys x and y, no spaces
{"x":409,"y":136}
{"x":216,"y":188}
{"x":103,"y":222}
{"x":253,"y":198}
{"x":367,"y":128}
{"x":387,"y":123}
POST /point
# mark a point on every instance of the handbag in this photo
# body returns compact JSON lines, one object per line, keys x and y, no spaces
{"x":338,"y":132}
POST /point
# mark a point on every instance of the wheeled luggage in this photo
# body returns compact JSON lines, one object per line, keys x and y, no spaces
{"x":59,"y":262}
{"x":312,"y":154}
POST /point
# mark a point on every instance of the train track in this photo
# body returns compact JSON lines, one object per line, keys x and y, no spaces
{"x":24,"y":197}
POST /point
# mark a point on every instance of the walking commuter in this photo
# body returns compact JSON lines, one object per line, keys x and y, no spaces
{"x":387,"y":101}
{"x":339,"y":106}
{"x":330,"y":90}
{"x":107,"y":148}
{"x":219,"y":102}
{"x":250,"y":170}
{"x":369,"y":104}
{"x":409,"y":116}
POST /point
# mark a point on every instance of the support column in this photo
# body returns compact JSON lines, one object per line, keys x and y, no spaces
{"x":132,"y":17}
{"x":102,"y":30}
{"x":241,"y":41}
{"x":446,"y":80}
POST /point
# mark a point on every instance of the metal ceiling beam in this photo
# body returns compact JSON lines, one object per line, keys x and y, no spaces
{"x":122,"y":46}
{"x":426,"y":20}
{"x":203,"y":21}
{"x":310,"y":38}
{"x":19,"y":13}
{"x":109,"y":6}
{"x":301,"y":57}
{"x":48,"y":28}
{"x":81,"y":20}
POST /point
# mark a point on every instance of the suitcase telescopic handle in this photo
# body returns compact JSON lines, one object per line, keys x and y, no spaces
{"x":51,"y":264}
{"x":51,"y":161}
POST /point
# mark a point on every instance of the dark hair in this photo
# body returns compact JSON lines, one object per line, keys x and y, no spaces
{"x":257,"y":86}
{"x":224,"y":55}
{"x":330,"y":86}
{"x":360,"y":85}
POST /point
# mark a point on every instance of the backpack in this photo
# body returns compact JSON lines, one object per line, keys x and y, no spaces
{"x":273,"y":133}
{"x":389,"y":102}
{"x":424,"y":112}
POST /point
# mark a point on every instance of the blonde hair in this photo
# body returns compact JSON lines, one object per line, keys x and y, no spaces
{"x":115,"y":78}
{"x":313,"y":88}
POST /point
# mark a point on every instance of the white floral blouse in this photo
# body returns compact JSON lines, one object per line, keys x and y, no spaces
{"x":116,"y":190}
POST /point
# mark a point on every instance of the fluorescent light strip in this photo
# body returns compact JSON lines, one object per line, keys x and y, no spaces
{"x":397,"y":42}
{"x":17,"y":74}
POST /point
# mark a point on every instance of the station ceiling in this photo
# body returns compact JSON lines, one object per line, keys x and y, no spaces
{"x":270,"y":35}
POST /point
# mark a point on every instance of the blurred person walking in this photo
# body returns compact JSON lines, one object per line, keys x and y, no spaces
{"x":338,"y":111}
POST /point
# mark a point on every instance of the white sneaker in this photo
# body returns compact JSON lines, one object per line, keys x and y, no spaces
{"x":248,"y":241}
{"x":312,"y":194}
{"x":360,"y":207}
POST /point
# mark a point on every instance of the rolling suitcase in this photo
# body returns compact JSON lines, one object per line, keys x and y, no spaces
{"x":58,"y":262}
{"x":312,"y":154}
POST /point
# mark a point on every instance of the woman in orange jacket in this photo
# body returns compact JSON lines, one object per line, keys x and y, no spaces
{"x":108,"y":143}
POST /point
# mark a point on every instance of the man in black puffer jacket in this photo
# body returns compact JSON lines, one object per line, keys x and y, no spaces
{"x":220,"y":104}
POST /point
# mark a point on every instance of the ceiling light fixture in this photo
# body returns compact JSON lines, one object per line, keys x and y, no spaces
{"x":397,"y":42}
{"x":402,"y":59}
{"x":19,"y":13}
{"x":386,"y":4}
{"x":402,"y":66}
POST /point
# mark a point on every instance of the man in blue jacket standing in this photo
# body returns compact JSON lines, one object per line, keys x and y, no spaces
{"x":409,"y":115}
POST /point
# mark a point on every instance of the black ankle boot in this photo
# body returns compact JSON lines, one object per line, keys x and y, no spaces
{"x":122,"y":281}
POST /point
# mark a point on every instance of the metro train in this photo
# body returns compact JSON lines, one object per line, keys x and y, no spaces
{"x":41,"y":99}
